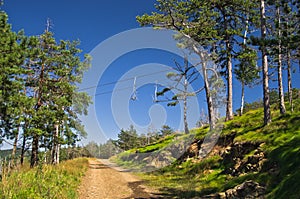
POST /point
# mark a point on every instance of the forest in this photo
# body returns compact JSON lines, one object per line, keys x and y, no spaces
{"x":39,"y":100}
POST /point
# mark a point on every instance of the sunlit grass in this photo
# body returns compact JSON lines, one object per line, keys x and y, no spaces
{"x":45,"y":181}
{"x":281,"y":147}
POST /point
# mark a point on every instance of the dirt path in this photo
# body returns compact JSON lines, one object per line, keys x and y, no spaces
{"x":105,"y":180}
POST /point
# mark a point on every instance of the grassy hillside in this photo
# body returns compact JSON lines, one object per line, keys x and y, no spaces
{"x":246,"y":151}
{"x":47,"y":181}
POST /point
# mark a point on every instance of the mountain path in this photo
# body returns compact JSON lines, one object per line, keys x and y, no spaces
{"x":105,"y":180}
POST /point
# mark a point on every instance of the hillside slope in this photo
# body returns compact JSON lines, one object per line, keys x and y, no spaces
{"x":249,"y":160}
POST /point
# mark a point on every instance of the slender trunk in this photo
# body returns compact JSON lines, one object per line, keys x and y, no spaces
{"x":242,"y":99}
{"x":289,"y":70}
{"x":35,"y":151}
{"x":289,"y":74}
{"x":280,"y":86}
{"x":243,"y":81}
{"x":186,"y":129}
{"x":203,"y":59}
{"x":57,"y":158}
{"x":266,"y":92}
{"x":229,"y":111}
{"x":23,"y":149}
{"x":14,"y":151}
{"x":279,"y":68}
{"x":24,"y":134}
{"x":58,"y":145}
{"x":55,"y":147}
{"x":211,"y":112}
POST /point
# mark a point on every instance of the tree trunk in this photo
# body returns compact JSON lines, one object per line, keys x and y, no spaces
{"x":243,"y":81}
{"x":211,"y":112}
{"x":35,"y":151}
{"x":35,"y":142}
{"x":23,"y":149}
{"x":289,"y":74}
{"x":186,"y":128}
{"x":14,"y":151}
{"x":24,"y":134}
{"x":203,"y":58}
{"x":242,"y":99}
{"x":55,"y":147}
{"x":266,"y":92}
{"x":279,"y":68}
{"x":229,"y":111}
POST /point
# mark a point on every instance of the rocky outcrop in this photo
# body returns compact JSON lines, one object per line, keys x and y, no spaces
{"x":246,"y":190}
{"x":195,"y":147}
{"x":236,"y":161}
{"x":158,"y":158}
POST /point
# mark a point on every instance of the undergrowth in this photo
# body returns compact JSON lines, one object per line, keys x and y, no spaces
{"x":45,"y":181}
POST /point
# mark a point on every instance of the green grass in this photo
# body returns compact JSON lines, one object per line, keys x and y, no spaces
{"x":126,"y":158}
{"x":281,"y":145}
{"x":48,"y":181}
{"x":157,"y":145}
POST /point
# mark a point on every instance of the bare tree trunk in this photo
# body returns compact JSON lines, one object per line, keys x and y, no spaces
{"x":242,"y":99}
{"x":58,"y":145}
{"x":266,"y":91}
{"x":203,"y":59}
{"x":186,"y":128}
{"x":279,"y":68}
{"x":55,"y":156}
{"x":289,"y":74}
{"x":229,"y":111}
{"x":243,"y":81}
{"x":210,"y":106}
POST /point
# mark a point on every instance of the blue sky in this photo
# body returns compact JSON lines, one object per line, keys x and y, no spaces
{"x":95,"y":22}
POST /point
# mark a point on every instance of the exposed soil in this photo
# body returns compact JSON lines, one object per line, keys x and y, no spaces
{"x":106,"y":180}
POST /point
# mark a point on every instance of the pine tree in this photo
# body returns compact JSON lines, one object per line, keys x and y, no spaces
{"x":194,"y":20}
{"x":56,"y":68}
{"x":246,"y":71}
{"x":127,"y":139}
{"x":279,"y":61}
{"x":290,"y":40}
{"x":230,"y":23}
{"x":265,"y":68}
{"x":11,"y":96}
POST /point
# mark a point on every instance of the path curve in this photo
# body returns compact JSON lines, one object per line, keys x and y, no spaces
{"x":104,"y":180}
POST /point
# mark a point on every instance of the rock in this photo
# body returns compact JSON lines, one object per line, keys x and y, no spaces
{"x":193,"y":150}
{"x":222,"y":195}
{"x":162,"y":159}
{"x":246,"y":190}
{"x":237,"y":164}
